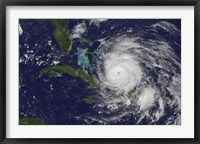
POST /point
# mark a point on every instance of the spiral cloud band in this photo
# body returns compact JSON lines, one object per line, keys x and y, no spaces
{"x":135,"y":76}
{"x":122,"y":71}
{"x":100,"y":71}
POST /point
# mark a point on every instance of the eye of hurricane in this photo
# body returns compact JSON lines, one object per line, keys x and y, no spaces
{"x":133,"y":76}
{"x":122,"y":72}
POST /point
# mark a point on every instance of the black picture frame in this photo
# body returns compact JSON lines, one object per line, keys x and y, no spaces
{"x":5,"y":3}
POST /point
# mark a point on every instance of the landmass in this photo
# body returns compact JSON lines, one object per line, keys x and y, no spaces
{"x":20,"y":80}
{"x":30,"y":121}
{"x":54,"y":74}
{"x":84,"y":40}
{"x":133,"y":94}
{"x":83,"y":57}
{"x":88,"y":100}
{"x":61,"y":33}
{"x":73,"y":72}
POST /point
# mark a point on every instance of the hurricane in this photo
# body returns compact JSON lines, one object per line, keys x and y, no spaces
{"x":100,"y":71}
{"x":135,"y":77}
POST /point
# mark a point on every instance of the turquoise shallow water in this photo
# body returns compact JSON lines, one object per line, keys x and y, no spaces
{"x":58,"y":98}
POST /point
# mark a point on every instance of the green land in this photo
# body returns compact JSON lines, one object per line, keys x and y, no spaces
{"x":73,"y":72}
{"x":30,"y":121}
{"x":20,"y":80}
{"x":133,"y":94}
{"x":61,"y":33}
{"x":84,"y":40}
{"x":88,"y":100}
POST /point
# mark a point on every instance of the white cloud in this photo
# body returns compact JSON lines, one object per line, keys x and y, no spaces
{"x":78,"y":30}
{"x":20,"y":30}
{"x":146,"y":98}
{"x":169,"y":27}
{"x":160,"y":112}
{"x":97,"y":21}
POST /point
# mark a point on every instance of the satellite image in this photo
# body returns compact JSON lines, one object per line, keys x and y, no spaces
{"x":99,"y":71}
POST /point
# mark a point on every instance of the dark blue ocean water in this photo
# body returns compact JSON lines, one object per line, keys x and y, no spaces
{"x":59,"y":100}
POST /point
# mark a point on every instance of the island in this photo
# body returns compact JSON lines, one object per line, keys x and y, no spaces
{"x":88,"y":100}
{"x":85,"y":77}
